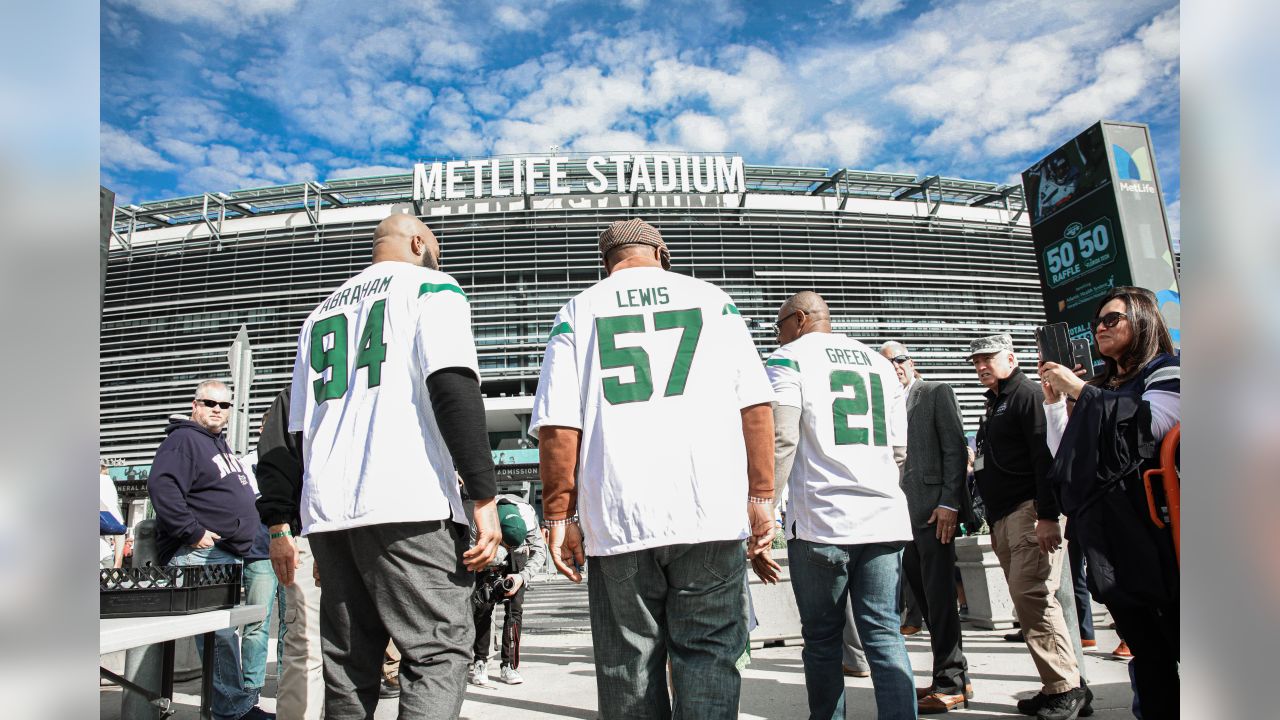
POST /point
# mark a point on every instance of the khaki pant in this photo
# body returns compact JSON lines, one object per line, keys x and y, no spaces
{"x":1033,"y":580}
{"x":301,"y":687}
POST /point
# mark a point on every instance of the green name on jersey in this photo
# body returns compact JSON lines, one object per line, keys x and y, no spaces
{"x":643,"y":297}
{"x":844,"y":356}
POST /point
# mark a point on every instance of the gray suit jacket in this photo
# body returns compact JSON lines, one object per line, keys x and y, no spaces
{"x":937,"y":460}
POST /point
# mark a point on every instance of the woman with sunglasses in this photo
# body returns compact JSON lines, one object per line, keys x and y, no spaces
{"x":1112,"y":437}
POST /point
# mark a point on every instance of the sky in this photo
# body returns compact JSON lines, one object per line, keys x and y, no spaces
{"x":205,"y":97}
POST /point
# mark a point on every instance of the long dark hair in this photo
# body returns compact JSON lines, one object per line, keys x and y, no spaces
{"x":1150,"y":335}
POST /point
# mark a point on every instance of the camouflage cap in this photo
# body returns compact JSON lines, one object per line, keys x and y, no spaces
{"x":635,"y":232}
{"x":991,"y":344}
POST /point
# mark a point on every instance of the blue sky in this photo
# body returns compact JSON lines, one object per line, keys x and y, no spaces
{"x":203,"y":97}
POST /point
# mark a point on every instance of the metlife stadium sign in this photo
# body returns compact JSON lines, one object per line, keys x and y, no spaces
{"x":1098,"y":221}
{"x":457,"y":180}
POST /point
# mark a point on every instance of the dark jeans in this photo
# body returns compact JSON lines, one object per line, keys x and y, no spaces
{"x":929,"y":567}
{"x":1084,"y":608}
{"x":824,"y":578}
{"x":1153,"y":639}
{"x":403,"y":582}
{"x":682,"y":601}
{"x":514,"y":613}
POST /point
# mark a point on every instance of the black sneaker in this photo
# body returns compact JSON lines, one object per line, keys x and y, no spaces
{"x":1062,"y":706}
{"x":1032,"y":705}
{"x":257,"y":713}
{"x":1015,"y":637}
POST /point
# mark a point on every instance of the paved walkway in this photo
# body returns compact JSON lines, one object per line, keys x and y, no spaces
{"x":557,"y":664}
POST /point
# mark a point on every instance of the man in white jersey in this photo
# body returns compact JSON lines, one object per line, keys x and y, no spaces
{"x":841,"y":424}
{"x":655,"y":431}
{"x":386,"y":394}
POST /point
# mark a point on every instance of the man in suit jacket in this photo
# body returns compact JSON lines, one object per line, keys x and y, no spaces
{"x":933,"y":481}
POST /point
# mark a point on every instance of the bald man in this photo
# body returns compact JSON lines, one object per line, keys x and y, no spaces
{"x":840,"y":424}
{"x":386,"y":394}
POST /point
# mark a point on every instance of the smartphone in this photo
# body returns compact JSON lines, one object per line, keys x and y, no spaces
{"x":1055,"y":345}
{"x":1082,"y":354}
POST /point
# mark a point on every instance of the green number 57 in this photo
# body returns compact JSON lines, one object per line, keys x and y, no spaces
{"x":617,"y":392}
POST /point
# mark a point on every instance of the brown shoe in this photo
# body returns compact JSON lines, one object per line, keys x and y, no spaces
{"x":854,"y":673}
{"x":1088,"y":643}
{"x":910,"y":629}
{"x":924,"y":692}
{"x":1122,"y":650}
{"x":938,"y":703}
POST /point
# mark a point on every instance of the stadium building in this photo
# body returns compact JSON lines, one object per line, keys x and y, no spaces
{"x":929,"y":261}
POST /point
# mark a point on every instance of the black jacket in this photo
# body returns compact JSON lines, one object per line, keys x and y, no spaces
{"x":1106,"y":447}
{"x":1015,"y":456}
{"x":279,"y":467}
{"x":198,"y":484}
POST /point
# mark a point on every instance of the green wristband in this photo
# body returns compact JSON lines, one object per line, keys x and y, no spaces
{"x":283,"y":533}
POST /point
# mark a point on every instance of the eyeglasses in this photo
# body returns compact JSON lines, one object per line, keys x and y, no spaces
{"x":899,"y":359}
{"x":1109,"y":320}
{"x":777,"y":327}
{"x":213,"y":403}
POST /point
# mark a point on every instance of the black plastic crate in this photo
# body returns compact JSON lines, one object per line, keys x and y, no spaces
{"x":152,"y":590}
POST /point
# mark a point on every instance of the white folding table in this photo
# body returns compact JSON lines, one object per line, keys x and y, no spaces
{"x":115,"y":634}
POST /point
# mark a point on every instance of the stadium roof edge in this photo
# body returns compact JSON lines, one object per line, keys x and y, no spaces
{"x":381,"y":189}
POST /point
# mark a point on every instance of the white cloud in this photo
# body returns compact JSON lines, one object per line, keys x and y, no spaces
{"x":121,"y":151}
{"x":229,"y":168}
{"x":521,"y":19}
{"x":700,"y":133}
{"x":1173,"y":211}
{"x":228,"y":16}
{"x":872,"y":10}
{"x":360,"y":171}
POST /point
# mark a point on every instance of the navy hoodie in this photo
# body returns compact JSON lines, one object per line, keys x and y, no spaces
{"x":197,"y":484}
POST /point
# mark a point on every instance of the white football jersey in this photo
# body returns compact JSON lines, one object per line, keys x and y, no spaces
{"x":372,"y":451}
{"x":844,"y":485}
{"x":654,"y":368}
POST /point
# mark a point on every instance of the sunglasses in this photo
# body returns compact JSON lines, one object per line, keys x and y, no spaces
{"x":213,"y":403}
{"x":899,"y":359}
{"x":1109,"y":320}
{"x":777,"y":327}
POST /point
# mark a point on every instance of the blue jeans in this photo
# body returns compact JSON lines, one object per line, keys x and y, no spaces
{"x":230,"y":698}
{"x":824,"y":578}
{"x":682,"y":601}
{"x":259,"y":589}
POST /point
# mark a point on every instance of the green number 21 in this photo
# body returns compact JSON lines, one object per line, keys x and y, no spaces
{"x":371,"y":352}
{"x":617,"y":392}
{"x":843,"y":407}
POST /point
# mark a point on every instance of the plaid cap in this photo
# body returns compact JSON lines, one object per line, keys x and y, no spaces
{"x":991,"y":344}
{"x":634,"y":232}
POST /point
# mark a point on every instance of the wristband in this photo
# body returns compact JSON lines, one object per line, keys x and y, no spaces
{"x":283,"y":533}
{"x":760,"y":501}
{"x":560,"y":523}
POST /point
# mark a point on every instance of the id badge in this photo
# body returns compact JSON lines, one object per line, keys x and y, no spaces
{"x":977,"y":463}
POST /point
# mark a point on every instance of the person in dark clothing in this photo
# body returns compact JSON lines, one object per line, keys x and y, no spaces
{"x":300,"y":691}
{"x":933,"y":480}
{"x":205,"y":515}
{"x":1011,"y":467}
{"x":1111,"y":438}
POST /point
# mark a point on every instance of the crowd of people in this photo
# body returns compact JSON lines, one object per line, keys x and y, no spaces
{"x":665,"y":448}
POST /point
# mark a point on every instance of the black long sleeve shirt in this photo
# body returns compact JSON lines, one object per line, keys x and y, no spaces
{"x":1015,"y":456}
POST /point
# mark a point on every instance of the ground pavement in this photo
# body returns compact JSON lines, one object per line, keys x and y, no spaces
{"x":556,"y":662}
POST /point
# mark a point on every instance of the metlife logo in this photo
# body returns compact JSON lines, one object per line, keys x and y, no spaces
{"x":1137,"y":187}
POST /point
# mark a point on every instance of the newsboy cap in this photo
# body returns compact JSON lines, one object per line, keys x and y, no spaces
{"x":635,"y":232}
{"x":991,"y":344}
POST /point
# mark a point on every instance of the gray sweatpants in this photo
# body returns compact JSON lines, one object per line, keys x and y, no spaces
{"x":404,"y":582}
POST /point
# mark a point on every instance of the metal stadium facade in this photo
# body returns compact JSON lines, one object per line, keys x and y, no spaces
{"x":929,"y":261}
